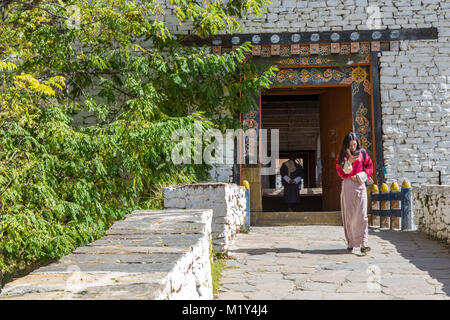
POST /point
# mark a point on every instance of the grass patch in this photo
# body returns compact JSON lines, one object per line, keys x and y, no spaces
{"x":218,"y":262}
{"x":243,"y":229}
{"x":217,"y":266}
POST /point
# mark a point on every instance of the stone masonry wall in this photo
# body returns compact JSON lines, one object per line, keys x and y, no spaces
{"x":227,"y":201}
{"x":432,"y":210}
{"x":224,"y":172}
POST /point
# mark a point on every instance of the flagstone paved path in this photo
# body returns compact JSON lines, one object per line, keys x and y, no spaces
{"x":311,"y":262}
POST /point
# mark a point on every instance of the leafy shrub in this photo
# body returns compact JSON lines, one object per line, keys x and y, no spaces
{"x":62,"y":185}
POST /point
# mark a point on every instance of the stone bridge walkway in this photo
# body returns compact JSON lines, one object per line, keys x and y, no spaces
{"x":311,"y":262}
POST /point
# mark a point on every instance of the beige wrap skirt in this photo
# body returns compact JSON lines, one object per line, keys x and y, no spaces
{"x":354,"y":213}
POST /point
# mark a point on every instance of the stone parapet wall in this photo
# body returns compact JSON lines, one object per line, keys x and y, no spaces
{"x":431,"y":205}
{"x":157,"y":255}
{"x":227,"y":201}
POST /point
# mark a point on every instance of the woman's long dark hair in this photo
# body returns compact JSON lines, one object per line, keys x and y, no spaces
{"x":345,"y":151}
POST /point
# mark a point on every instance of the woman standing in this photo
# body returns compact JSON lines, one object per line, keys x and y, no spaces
{"x":354,"y":171}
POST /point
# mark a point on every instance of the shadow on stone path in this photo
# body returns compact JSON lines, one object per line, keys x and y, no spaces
{"x":427,"y":255}
{"x":311,"y":262}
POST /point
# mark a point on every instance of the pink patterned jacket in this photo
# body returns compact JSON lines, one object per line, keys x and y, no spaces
{"x":357,"y":166}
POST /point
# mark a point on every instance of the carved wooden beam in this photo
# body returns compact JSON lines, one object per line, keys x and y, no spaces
{"x":289,"y":38}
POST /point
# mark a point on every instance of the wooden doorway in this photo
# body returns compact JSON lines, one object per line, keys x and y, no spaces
{"x":334,"y":112}
{"x":335,"y":122}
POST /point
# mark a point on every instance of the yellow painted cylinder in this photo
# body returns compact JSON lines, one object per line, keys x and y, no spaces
{"x":406,"y":184}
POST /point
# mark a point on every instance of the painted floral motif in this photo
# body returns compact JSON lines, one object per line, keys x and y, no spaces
{"x":345,"y":48}
{"x":364,"y":48}
{"x":286,"y":74}
{"x":304,"y":50}
{"x":285,"y":51}
{"x":327,"y":75}
{"x":362,"y":121}
{"x":337,"y":75}
{"x":375,"y":46}
{"x":226,"y":50}
{"x":265,"y":51}
{"x":354,"y":47}
{"x":304,"y":76}
{"x":365,"y":143}
{"x":251,"y":123}
{"x":362,"y":130}
{"x":366,"y":85}
{"x":347,"y":80}
{"x":364,"y":124}
{"x":324,"y":50}
{"x":275,"y":50}
{"x":295,"y":49}
{"x":251,"y":114}
{"x":355,"y":88}
{"x":314,"y":48}
{"x":317,"y":75}
{"x":335,"y":48}
{"x":362,"y":110}
{"x":256,"y":50}
{"x":358,"y":74}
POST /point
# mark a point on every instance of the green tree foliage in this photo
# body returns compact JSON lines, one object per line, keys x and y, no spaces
{"x":62,"y":185}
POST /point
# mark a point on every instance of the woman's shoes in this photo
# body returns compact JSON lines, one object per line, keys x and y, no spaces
{"x":364,"y":250}
{"x":349,"y":249}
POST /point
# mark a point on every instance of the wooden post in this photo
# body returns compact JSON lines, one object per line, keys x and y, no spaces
{"x":385,"y":205}
{"x":395,"y":204}
{"x":247,"y":207}
{"x":252,"y":175}
{"x":407,"y":210}
{"x":375,"y":204}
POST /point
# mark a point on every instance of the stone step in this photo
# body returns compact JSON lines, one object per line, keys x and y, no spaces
{"x":330,"y":218}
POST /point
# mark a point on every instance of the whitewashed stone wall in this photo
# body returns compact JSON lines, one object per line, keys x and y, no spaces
{"x":191,"y":278}
{"x":223,"y":172}
{"x":151,"y":254}
{"x":432,"y":210}
{"x":227,"y":201}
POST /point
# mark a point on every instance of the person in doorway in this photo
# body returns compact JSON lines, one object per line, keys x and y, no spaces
{"x":292,"y":174}
{"x":354,"y":166}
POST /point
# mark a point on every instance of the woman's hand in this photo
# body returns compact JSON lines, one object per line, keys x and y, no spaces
{"x":354,"y":178}
{"x":352,"y":159}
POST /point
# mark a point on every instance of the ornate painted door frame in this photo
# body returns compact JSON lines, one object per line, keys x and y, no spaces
{"x":357,"y":71}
